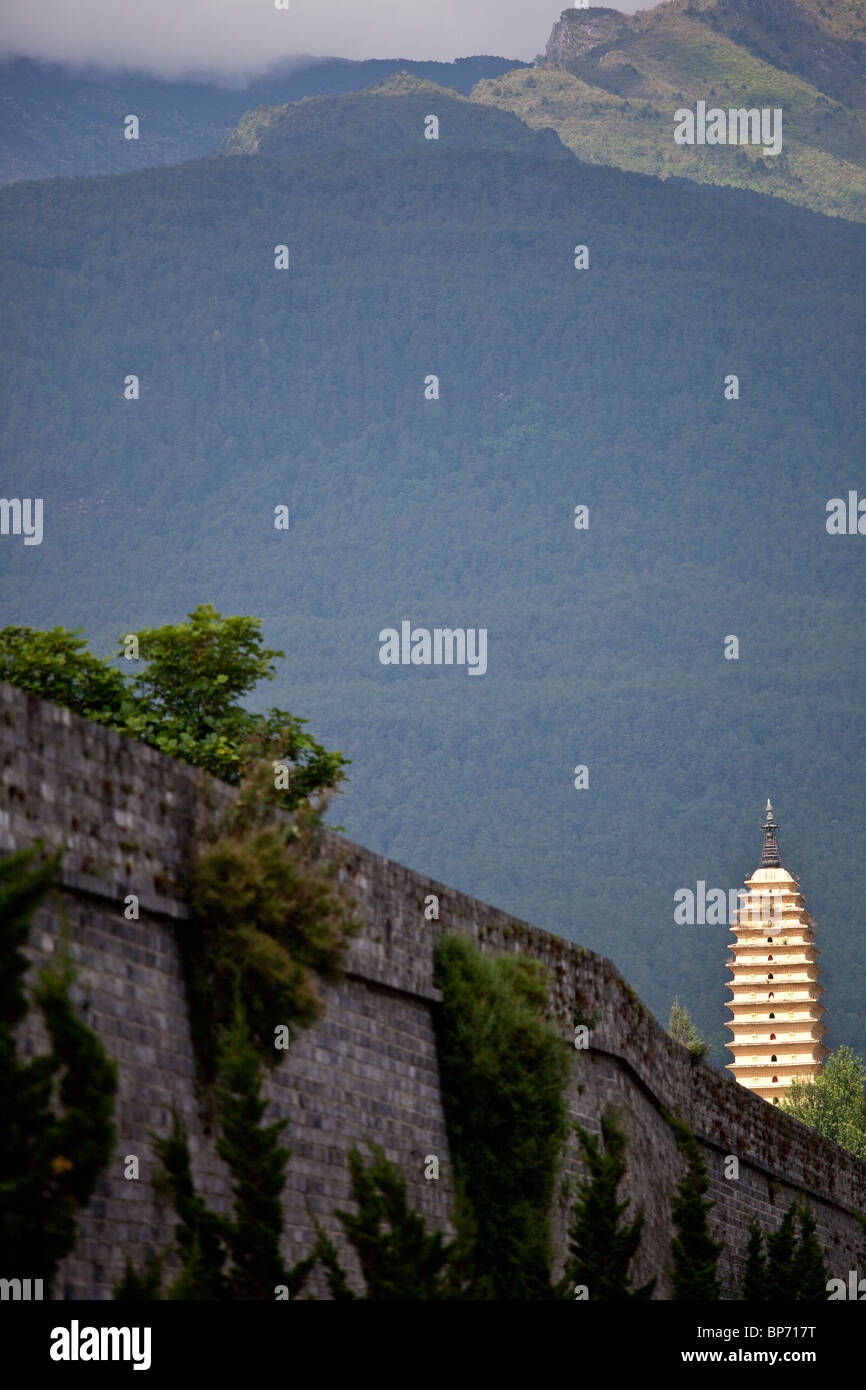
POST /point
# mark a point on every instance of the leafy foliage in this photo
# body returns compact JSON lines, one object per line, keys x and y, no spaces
{"x":834,"y":1103}
{"x":601,"y":1249}
{"x":185,"y":701}
{"x":503,"y":1070}
{"x":266,"y":922}
{"x":56,"y":1127}
{"x":695,"y":1253}
{"x":57,"y":666}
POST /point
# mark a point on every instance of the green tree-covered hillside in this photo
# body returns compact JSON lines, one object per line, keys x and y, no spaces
{"x":601,"y":387}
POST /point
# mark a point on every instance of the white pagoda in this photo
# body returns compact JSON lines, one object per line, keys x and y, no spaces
{"x":776,"y":1003}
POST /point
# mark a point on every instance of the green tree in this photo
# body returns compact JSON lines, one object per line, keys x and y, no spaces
{"x":56,"y":1126}
{"x":755,"y":1274}
{"x":809,"y":1271}
{"x":257,"y":1162}
{"x":503,"y":1067}
{"x":235,"y":1257}
{"x":200,"y":1234}
{"x":781,"y":1255}
{"x":140,"y":1288}
{"x":184,"y":700}
{"x":55,"y":665}
{"x":695,"y":1253}
{"x":600,"y":1248}
{"x":682,"y":1030}
{"x":834,"y":1103}
{"x":399,"y":1258}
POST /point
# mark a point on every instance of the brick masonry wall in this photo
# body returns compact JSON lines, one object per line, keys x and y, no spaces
{"x":130,"y":818}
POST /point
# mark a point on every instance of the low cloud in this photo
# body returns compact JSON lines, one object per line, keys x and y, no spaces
{"x":241,"y":38}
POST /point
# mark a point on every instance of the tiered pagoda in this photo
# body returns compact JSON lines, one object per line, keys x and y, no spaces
{"x":776,"y":1004}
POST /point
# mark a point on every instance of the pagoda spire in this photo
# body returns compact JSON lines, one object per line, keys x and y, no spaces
{"x":770,"y":857}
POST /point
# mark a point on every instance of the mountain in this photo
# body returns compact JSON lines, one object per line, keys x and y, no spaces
{"x":822,"y":42}
{"x":55,"y":120}
{"x":387,"y":118}
{"x":603,"y":387}
{"x":609,"y":84}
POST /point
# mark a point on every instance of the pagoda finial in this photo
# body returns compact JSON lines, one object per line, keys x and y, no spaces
{"x":770,"y":857}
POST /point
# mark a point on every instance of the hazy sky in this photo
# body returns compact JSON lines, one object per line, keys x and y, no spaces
{"x":244,"y":36}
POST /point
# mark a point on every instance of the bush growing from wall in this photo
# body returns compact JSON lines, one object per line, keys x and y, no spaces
{"x":267,"y":921}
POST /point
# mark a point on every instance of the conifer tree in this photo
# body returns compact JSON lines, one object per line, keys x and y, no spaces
{"x":140,"y":1288}
{"x":325,"y":1251}
{"x":755,"y":1273}
{"x":781,"y":1254}
{"x":257,"y":1162}
{"x":56,"y":1125}
{"x":399,"y":1258}
{"x":810,"y":1273}
{"x":199,"y":1233}
{"x":600,"y":1248}
{"x":695,"y":1253}
{"x":237,"y":1257}
{"x":503,"y":1071}
{"x":682,"y":1030}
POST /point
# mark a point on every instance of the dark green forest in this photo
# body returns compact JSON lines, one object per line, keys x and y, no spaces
{"x":57,"y":119}
{"x":558,"y":387}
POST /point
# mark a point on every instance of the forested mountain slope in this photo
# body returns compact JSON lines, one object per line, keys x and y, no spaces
{"x":56,"y":120}
{"x":558,"y":387}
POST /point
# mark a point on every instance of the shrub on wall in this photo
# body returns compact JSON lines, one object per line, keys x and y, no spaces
{"x":267,"y":921}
